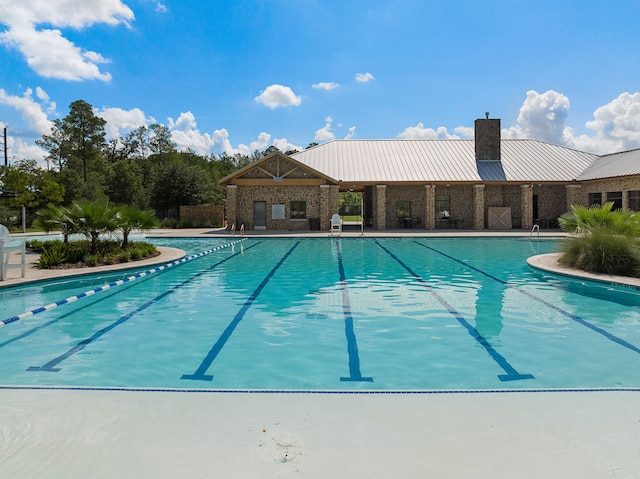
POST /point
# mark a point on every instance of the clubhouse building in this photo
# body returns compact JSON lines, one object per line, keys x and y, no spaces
{"x":481,"y":183}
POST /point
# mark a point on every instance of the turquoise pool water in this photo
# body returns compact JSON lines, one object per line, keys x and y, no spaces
{"x":330,"y":314}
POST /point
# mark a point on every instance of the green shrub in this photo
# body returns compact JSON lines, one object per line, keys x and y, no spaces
{"x":55,"y":252}
{"x":52,"y":255}
{"x":110,"y":259}
{"x":604,"y":240}
{"x":91,"y":260}
{"x":603,"y":252}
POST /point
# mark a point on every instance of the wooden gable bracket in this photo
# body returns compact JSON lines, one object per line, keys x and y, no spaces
{"x":314,"y":177}
{"x":277,"y":177}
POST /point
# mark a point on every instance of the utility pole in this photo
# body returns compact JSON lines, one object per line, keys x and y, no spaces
{"x":6,"y":155}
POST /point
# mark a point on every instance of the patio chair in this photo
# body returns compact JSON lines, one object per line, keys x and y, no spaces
{"x":336,"y":224}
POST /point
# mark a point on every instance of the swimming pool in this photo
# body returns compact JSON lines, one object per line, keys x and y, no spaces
{"x":345,"y":314}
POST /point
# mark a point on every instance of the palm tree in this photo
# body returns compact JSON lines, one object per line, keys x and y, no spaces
{"x":94,"y":218}
{"x":129,"y":218}
{"x":56,"y":218}
{"x":603,"y":241}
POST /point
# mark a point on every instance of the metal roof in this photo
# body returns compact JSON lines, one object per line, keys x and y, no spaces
{"x":626,"y":163}
{"x":389,"y":161}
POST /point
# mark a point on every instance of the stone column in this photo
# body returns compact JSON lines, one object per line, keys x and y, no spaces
{"x":380,"y":208}
{"x":527,"y":206}
{"x":325,"y":208}
{"x":625,"y":199}
{"x":573,"y":195}
{"x":232,"y":206}
{"x":478,"y":207}
{"x":430,"y":220}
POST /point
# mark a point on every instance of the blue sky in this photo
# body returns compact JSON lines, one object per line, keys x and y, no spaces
{"x":236,"y":76}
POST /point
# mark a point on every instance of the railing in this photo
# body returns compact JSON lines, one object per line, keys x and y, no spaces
{"x":536,"y":228}
{"x":241,"y":229}
{"x":233,"y":229}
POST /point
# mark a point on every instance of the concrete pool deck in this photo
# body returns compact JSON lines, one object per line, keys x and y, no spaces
{"x":56,"y":433}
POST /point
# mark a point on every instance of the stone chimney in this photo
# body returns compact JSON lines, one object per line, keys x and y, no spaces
{"x":487,"y":136}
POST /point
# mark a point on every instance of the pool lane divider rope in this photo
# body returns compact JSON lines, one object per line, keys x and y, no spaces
{"x":571,"y":316}
{"x":352,"y":345}
{"x":199,"y":374}
{"x":114,"y":284}
{"x":512,"y":374}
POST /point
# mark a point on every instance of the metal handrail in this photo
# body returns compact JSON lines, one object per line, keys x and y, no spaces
{"x":535,"y":228}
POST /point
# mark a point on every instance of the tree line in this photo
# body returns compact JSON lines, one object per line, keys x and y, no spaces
{"x":143,"y":169}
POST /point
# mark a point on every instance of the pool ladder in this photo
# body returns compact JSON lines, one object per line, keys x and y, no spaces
{"x":233,"y":229}
{"x":535,"y":229}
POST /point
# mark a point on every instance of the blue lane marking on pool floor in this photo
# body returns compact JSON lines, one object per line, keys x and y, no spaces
{"x":199,"y":374}
{"x":352,"y":345}
{"x":512,"y":374}
{"x":51,"y":365}
{"x":571,"y":316}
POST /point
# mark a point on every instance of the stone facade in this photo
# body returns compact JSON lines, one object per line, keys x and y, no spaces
{"x":478,"y":210}
{"x":380,"y":207}
{"x":526,"y":208}
{"x":415,"y":195}
{"x":626,"y":184}
{"x":278,"y":195}
{"x":487,"y":136}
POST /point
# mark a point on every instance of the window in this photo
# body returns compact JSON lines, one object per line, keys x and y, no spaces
{"x":298,"y":210}
{"x":634,"y":200}
{"x":595,"y":199}
{"x":616,"y":198}
{"x":403,"y":209}
{"x":443,"y":209}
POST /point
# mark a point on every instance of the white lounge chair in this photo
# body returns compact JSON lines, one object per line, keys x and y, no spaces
{"x":336,"y":223}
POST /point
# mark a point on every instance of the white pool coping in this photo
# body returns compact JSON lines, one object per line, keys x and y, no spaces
{"x":67,"y":433}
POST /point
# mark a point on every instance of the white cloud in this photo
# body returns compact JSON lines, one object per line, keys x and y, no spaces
{"x":185,"y":133}
{"x":48,"y":52}
{"x":325,"y":133}
{"x":278,"y":95}
{"x":616,"y":124}
{"x":120,"y":122}
{"x":543,"y":117}
{"x":284,"y":145}
{"x":419,"y":132}
{"x":18,"y":150}
{"x":222,"y":144}
{"x":221,"y":137}
{"x":325,"y":85}
{"x":261,"y":143}
{"x":160,"y":7}
{"x":351,"y":134}
{"x":32,"y":111}
{"x":464,"y":131}
{"x":364,"y":77}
